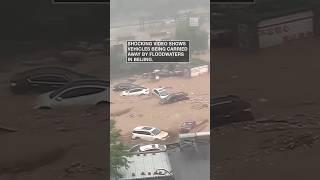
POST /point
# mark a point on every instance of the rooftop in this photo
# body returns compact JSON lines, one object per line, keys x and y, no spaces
{"x":257,"y":12}
{"x":181,"y":160}
{"x":190,"y":164}
{"x":192,"y":156}
{"x":147,"y":165}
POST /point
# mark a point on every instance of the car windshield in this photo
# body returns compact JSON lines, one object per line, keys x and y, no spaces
{"x":156,"y":131}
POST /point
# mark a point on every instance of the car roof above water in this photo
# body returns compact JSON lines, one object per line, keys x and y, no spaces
{"x":144,"y":128}
{"x":89,"y":82}
{"x":50,"y":70}
{"x":126,"y":84}
{"x":160,"y":89}
{"x":140,"y":87}
{"x":224,"y":99}
{"x":84,"y":82}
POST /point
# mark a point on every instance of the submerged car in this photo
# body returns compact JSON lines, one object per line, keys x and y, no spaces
{"x":44,"y":79}
{"x":149,"y":133}
{"x":160,"y":92}
{"x":174,"y":97}
{"x":124,"y":86}
{"x":136,"y":92}
{"x":229,"y":109}
{"x":148,"y":148}
{"x":187,"y":126}
{"x":77,"y":93}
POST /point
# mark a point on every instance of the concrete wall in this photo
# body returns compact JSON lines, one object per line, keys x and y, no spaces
{"x":278,"y":30}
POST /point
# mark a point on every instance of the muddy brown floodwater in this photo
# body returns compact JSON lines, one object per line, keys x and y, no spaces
{"x":132,"y":111}
{"x":281,"y":84}
{"x":52,"y":144}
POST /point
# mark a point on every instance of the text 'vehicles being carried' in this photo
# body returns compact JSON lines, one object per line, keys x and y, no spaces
{"x":157,"y":51}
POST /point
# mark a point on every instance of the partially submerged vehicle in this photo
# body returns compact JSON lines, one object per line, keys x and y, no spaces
{"x":147,"y":148}
{"x":124,"y":86}
{"x":187,"y":126}
{"x":148,"y":133}
{"x":44,"y":79}
{"x":160,"y":92}
{"x":229,"y":109}
{"x":174,"y":97}
{"x":136,"y":91}
{"x":78,"y":93}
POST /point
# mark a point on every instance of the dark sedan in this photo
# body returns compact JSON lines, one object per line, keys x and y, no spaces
{"x":229,"y":109}
{"x":124,"y":86}
{"x":174,"y":97}
{"x":44,"y":79}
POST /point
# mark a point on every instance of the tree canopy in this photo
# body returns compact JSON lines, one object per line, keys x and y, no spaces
{"x":118,"y":152}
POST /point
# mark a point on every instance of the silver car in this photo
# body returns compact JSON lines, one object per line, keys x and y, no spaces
{"x":147,"y":148}
{"x":77,"y":93}
{"x":160,"y":92}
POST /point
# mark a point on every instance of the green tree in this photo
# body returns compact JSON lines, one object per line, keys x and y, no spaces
{"x":118,"y":153}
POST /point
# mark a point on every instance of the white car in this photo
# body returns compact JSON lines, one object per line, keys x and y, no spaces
{"x":160,"y":92}
{"x":148,"y":148}
{"x":77,"y":93}
{"x":152,"y":147}
{"x":149,"y":133}
{"x":136,"y":92}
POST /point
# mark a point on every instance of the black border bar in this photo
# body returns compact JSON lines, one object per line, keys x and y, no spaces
{"x":232,"y":1}
{"x":80,"y":1}
{"x":108,"y":1}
